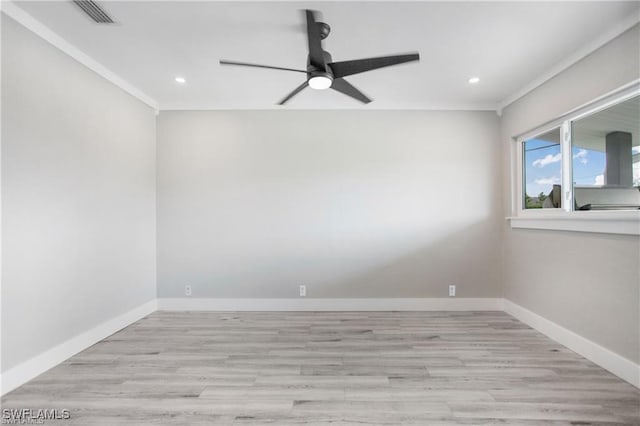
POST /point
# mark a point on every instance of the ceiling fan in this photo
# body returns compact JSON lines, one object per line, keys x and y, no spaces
{"x":322,"y":73}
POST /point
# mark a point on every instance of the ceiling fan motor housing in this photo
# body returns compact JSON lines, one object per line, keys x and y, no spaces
{"x":327,"y":60}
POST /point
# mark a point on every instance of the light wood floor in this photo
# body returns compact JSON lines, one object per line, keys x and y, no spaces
{"x":347,"y":368}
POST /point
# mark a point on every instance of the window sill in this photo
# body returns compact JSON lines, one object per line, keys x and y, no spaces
{"x":621,"y":222}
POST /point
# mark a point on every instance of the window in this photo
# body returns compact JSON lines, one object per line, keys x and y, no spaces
{"x":606,"y":158}
{"x":582,"y":168}
{"x":542,"y":160}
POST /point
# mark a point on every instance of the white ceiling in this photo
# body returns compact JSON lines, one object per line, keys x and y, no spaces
{"x":507,"y":44}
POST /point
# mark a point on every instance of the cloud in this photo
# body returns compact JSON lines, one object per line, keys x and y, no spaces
{"x":599,"y":180}
{"x":548,"y":159}
{"x":635,"y":150}
{"x":581,"y":156}
{"x":548,"y":180}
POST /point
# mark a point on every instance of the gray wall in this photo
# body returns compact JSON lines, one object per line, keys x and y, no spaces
{"x":78,"y":198}
{"x":351,"y":203}
{"x":588,"y":283}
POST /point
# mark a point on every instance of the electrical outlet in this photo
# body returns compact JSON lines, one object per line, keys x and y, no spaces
{"x":452,"y":291}
{"x":303,"y":291}
{"x":187,"y":290}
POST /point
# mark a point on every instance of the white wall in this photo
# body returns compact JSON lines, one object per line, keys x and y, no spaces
{"x":78,"y":198}
{"x":354,"y":204}
{"x":588,"y":283}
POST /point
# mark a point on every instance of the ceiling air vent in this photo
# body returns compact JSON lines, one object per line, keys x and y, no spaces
{"x":95,"y":11}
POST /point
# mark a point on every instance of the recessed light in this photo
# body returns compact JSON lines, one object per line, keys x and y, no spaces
{"x":180,"y":80}
{"x":474,"y":80}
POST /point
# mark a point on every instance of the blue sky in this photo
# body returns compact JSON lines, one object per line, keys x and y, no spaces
{"x":543,"y":163}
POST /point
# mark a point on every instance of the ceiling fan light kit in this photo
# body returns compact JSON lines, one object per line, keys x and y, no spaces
{"x":320,"y":81}
{"x":322,"y":73}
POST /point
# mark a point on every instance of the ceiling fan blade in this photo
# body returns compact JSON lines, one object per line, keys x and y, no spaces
{"x":295,"y":92}
{"x":343,"y":86}
{"x":245,"y":64}
{"x":316,"y":54}
{"x":345,"y":68}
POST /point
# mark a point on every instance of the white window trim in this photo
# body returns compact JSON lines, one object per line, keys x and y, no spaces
{"x":619,"y":222}
{"x":626,"y":222}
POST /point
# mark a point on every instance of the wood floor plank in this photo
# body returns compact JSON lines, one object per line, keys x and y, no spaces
{"x":330,"y":368}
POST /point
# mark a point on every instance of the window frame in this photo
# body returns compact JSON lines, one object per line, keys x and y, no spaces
{"x":519,"y":204}
{"x":565,"y":217}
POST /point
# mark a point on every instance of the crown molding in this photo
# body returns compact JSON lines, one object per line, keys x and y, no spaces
{"x":426,"y":107}
{"x":623,"y":26}
{"x":19,"y":15}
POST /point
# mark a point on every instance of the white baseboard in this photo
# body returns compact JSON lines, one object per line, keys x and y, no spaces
{"x":37,"y":365}
{"x":342,"y":304}
{"x":616,"y":364}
